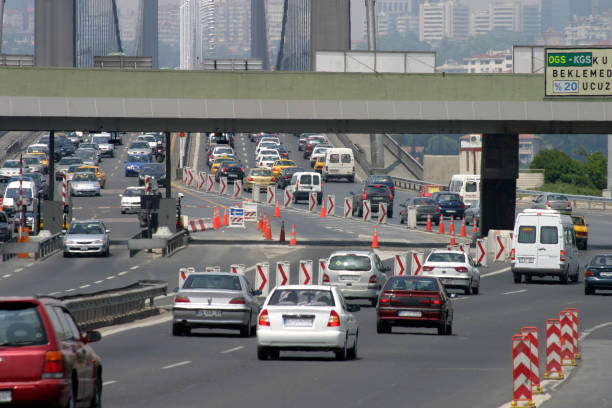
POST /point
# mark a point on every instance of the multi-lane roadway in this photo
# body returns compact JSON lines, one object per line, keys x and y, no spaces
{"x":144,"y":365}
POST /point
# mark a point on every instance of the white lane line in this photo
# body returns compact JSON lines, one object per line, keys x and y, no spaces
{"x":54,"y":293}
{"x":8,"y":275}
{"x":105,"y":383}
{"x":70,"y":290}
{"x":84,"y":286}
{"x":232,"y":350}
{"x":122,"y":273}
{"x":495,"y":273}
{"x":515,"y":291}
{"x":182,"y":363}
{"x":18,"y":270}
{"x":110,"y":277}
{"x":98,"y":282}
{"x":134,"y":267}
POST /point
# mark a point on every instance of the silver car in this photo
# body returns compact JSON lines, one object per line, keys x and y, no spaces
{"x":85,"y":184}
{"x":357,"y":274}
{"x":10,"y":168}
{"x":140,"y":147}
{"x":215,"y":300}
{"x":104,"y":146}
{"x":553,"y":201}
{"x":88,"y":156}
{"x":307,"y":318}
{"x":34,"y":164}
{"x":64,"y":164}
{"x":87,"y":237}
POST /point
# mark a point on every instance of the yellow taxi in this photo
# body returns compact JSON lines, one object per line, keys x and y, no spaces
{"x":100,"y":175}
{"x":318,"y":167}
{"x":42,"y":156}
{"x":217,"y":163}
{"x":581,"y":228}
{"x":261,"y":177}
{"x":280,"y":165}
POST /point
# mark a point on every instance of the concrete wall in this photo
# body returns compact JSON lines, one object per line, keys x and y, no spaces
{"x":530,"y":181}
{"x":440,"y":168}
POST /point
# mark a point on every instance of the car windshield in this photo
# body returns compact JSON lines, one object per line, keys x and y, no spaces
{"x":446,"y":257}
{"x":284,"y":163}
{"x":578,"y":221}
{"x":139,"y":145}
{"x":82,"y":169}
{"x":349,"y":263}
{"x":84,"y":177}
{"x":21,"y":325}
{"x":223,"y":282}
{"x":423,"y":201}
{"x":148,"y":138}
{"x":137,"y":159}
{"x":601,"y":260}
{"x":88,"y":228}
{"x":232,"y":164}
{"x":401,"y":283}
{"x":133,"y":192}
{"x":449,"y":197}
{"x":223,"y":150}
{"x":89,"y":146}
{"x":31,"y":160}
{"x":268,"y":158}
{"x":86,"y":154}
{"x":11,"y":164}
{"x":301,"y":297}
{"x":67,"y":161}
{"x":261,"y":172}
{"x":14,"y":193}
{"x":377,"y":189}
{"x":100,"y":139}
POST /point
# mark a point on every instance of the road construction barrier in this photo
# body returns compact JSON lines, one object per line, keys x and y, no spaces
{"x":305,"y":272}
{"x":400,"y":265}
{"x":190,"y":178}
{"x":322,"y":271}
{"x":236,"y":217}
{"x":282,"y":273}
{"x":481,"y":252}
{"x":255,"y":192}
{"x":521,"y":372}
{"x":270,"y":195}
{"x":183,"y":274}
{"x":575,"y":330}
{"x":262,"y":278}
{"x":197,"y":225}
{"x":554,"y":370}
{"x":534,"y":357}
{"x":331,"y":205}
{"x":312,"y":201}
{"x":416,"y":262}
{"x":367,"y":215}
{"x":382,"y":213}
{"x":210,"y":184}
{"x":348,"y":207}
{"x":250,"y":211}
{"x":237,"y":189}
{"x":184,"y":178}
{"x":287,"y":199}
{"x":222,"y":185}
{"x":147,"y":184}
{"x":499,"y":244}
{"x":201,"y":185}
{"x":567,"y":339}
{"x":411,"y":217}
{"x":238,"y":269}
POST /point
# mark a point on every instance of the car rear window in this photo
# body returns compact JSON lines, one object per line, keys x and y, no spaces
{"x":349,"y":263}
{"x":578,"y":221}
{"x":377,"y":189}
{"x":347,"y":158}
{"x":261,"y":172}
{"x":400,"y":283}
{"x":527,"y":234}
{"x":21,"y":325}
{"x":471,"y":186}
{"x":222,"y":282}
{"x":299,"y":297}
{"x":549,"y":235}
{"x":449,"y":197}
{"x":133,"y":192}
{"x":334,"y":158}
{"x":446,"y":257}
{"x":557,"y":197}
{"x":601,"y":260}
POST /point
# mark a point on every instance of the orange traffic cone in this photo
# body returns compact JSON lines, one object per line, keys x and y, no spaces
{"x":375,"y":238}
{"x":225,"y":216}
{"x":441,"y":228}
{"x":268,"y":233}
{"x":260,"y":223}
{"x":462,"y":232}
{"x":475,"y":229}
{"x":277,"y":210}
{"x":323,"y":211}
{"x":292,"y":241}
{"x":428,"y":228}
{"x":451,"y":230}
{"x":452,"y":241}
{"x":282,"y":232}
{"x":216,"y":219}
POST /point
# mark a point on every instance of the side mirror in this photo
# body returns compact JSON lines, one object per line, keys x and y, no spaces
{"x":353,"y":308}
{"x":108,"y":231}
{"x":92,"y":336}
{"x":257,"y":292}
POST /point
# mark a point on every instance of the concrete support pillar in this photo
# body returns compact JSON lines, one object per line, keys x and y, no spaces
{"x":499,"y":171}
{"x":150,"y":36}
{"x":608,"y":191}
{"x":259,"y":36}
{"x":1,"y":22}
{"x":330,"y":27}
{"x":54,"y":33}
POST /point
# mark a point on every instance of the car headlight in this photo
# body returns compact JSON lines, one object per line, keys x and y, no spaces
{"x":98,"y":241}
{"x":70,"y":242}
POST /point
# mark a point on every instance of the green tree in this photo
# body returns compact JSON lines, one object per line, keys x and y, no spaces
{"x":556,"y":164}
{"x":595,"y":167}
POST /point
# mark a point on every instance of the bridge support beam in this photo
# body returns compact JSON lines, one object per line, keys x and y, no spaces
{"x":330,"y":27}
{"x":150,"y":37}
{"x":54,"y":33}
{"x":608,"y":191}
{"x":499,"y":171}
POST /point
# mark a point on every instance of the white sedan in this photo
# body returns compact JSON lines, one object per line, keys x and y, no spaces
{"x":307,"y":318}
{"x":455,"y":269}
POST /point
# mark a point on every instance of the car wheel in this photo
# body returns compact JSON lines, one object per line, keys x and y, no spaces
{"x":402,"y":221}
{"x":342,"y":353}
{"x":274,"y":354}
{"x":107,"y":253}
{"x":563,"y":278}
{"x":476,"y":290}
{"x":351,"y":179}
{"x":66,"y":254}
{"x":361,"y":212}
{"x":442,"y":329}
{"x":437,"y":222}
{"x":517,"y":277}
{"x":262,"y":353}
{"x":589,"y":291}
{"x":71,"y":403}
{"x":96,"y":399}
{"x":383,"y":327}
{"x":180,"y":330}
{"x":246,"y":330}
{"x":574,"y":278}
{"x":390,"y":214}
{"x":467,"y":222}
{"x":468,"y":290}
{"x":373,"y":302}
{"x":449,"y":329}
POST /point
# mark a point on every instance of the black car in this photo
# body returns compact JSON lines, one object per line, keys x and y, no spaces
{"x":232,"y":169}
{"x":376,"y":194}
{"x":6,"y":232}
{"x":382,"y":179}
{"x":155,"y":170}
{"x":424,"y":207}
{"x":449,"y":204}
{"x":598,"y":274}
{"x":285,"y":177}
{"x":282,"y":150}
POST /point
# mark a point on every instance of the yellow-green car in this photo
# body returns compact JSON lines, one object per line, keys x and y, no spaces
{"x":581,"y":228}
{"x":261,"y":177}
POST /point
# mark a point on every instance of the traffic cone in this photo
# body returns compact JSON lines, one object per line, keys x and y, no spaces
{"x":441,"y":227}
{"x":282,"y":232}
{"x":452,"y":241}
{"x":375,"y":238}
{"x":462,"y":232}
{"x":428,"y":228}
{"x":260,"y":223}
{"x":292,"y":241}
{"x":451,"y":230}
{"x":277,"y":210}
{"x":475,"y":229}
{"x":323,"y":211}
{"x":225,"y":216}
{"x":268,"y":233}
{"x":216,"y":219}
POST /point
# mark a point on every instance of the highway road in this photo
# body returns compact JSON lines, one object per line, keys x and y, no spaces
{"x":147,"y":366}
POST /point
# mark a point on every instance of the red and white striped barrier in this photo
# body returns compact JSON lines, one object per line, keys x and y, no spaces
{"x":534,"y":356}
{"x":322,"y":270}
{"x":197,"y":225}
{"x":348,"y":207}
{"x":521,"y":372}
{"x":210,"y":184}
{"x":201,"y":181}
{"x":183,"y":274}
{"x":575,"y":330}
{"x":255,"y":193}
{"x":416,"y":262}
{"x":222,"y":185}
{"x":481,"y":252}
{"x":382,"y":213}
{"x":331,"y":205}
{"x":270,"y":195}
{"x":312,"y":202}
{"x":237,"y":269}
{"x":262,"y":278}
{"x":190,"y":178}
{"x":305,"y":272}
{"x":367,"y":215}
{"x":567,"y":339}
{"x":400,"y":265}
{"x":64,"y":190}
{"x":237,"y":189}
{"x":287,"y":199}
{"x":250,"y":211}
{"x":147,"y":183}
{"x":282,"y":273}
{"x":184,"y":178}
{"x":554,"y":370}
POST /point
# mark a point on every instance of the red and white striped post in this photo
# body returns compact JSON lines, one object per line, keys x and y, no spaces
{"x":521,"y":374}
{"x":534,"y":344}
{"x":554,"y":371}
{"x":20,"y":231}
{"x":64,"y":190}
{"x":147,"y":184}
{"x":567,"y":339}
{"x":575,"y":330}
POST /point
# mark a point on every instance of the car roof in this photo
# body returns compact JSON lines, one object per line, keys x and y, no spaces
{"x":31,"y":299}
{"x":446,"y":251}
{"x":360,"y":253}
{"x":221,"y":273}
{"x":305,"y":287}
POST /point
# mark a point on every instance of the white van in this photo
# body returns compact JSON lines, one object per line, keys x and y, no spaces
{"x":544,"y":244}
{"x":302,"y":184}
{"x":11,"y":195}
{"x":339,"y":163}
{"x":467,"y":185}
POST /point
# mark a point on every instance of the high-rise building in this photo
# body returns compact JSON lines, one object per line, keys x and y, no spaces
{"x":96,"y":31}
{"x":531,"y":19}
{"x":556,"y":14}
{"x":190,"y":34}
{"x":274,"y":20}
{"x":481,"y":22}
{"x":169,"y":24}
{"x":233,"y":26}
{"x":513,"y":15}
{"x":443,"y":20}
{"x":399,"y":16}
{"x":505,"y":16}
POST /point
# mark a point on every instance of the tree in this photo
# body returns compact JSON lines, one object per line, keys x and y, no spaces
{"x":556,"y":164}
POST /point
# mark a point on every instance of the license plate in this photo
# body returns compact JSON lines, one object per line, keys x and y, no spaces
{"x":232,"y":175}
{"x":408,"y":313}
{"x":6,"y":396}
{"x":526,"y":260}
{"x":450,"y":211}
{"x":83,"y":248}
{"x":208,"y":313}
{"x":605,"y":274}
{"x":348,"y":278}
{"x":298,"y":322}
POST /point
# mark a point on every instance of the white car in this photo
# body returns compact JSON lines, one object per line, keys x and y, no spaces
{"x":150,"y":139}
{"x":105,"y":147}
{"x":318,"y":151}
{"x":455,"y":269}
{"x":265,"y":146}
{"x":221,"y":150}
{"x":307,"y":318}
{"x":10,"y":168}
{"x":266,"y":161}
{"x":269,"y":139}
{"x":130,"y":199}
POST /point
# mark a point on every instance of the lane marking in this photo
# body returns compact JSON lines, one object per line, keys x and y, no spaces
{"x":182,"y":363}
{"x":84,"y":286}
{"x":105,"y":383}
{"x":18,"y":270}
{"x":8,"y":275}
{"x":70,"y":290}
{"x":122,"y":273}
{"x":98,"y":281}
{"x":110,"y":277}
{"x":134,"y":267}
{"x":495,"y":273}
{"x":515,"y":291}
{"x":232,"y":350}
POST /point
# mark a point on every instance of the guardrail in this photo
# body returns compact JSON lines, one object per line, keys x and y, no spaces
{"x":176,"y":241}
{"x":410,"y":162}
{"x":39,"y":247}
{"x":604,"y":202}
{"x":116,"y":306}
{"x":168,"y":244}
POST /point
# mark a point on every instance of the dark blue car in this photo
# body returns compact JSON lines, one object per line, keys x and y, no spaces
{"x":598,"y":274}
{"x":134,"y":162}
{"x":449,"y":204}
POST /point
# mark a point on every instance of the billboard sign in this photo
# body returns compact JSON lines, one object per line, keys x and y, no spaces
{"x":578,"y":72}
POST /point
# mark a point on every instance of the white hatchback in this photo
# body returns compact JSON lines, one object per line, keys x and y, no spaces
{"x":455,"y":269}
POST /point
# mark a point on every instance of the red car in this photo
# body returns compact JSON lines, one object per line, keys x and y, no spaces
{"x":311,"y":142}
{"x":44,"y":358}
{"x":414,"y":301}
